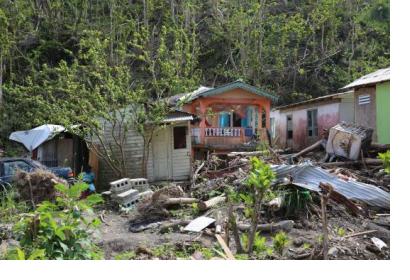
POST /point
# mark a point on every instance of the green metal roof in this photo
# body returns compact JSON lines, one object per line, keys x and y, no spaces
{"x":233,"y":85}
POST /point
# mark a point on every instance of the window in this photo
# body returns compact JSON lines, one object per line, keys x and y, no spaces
{"x":11,"y":167}
{"x":289,"y":127}
{"x":180,"y":137}
{"x":312,"y":129}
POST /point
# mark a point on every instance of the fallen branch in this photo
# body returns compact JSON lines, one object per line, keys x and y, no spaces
{"x":194,"y":177}
{"x":360,"y":233}
{"x":205,"y":205}
{"x":308,"y":149}
{"x":285,"y":225}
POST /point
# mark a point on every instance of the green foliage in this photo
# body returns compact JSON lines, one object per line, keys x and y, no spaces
{"x":20,"y":255}
{"x":295,"y":200}
{"x":385,"y":157}
{"x":259,"y":181}
{"x":10,"y":208}
{"x":261,"y":175}
{"x":306,"y":246}
{"x":280,"y":241}
{"x":61,"y":230}
{"x":259,"y":245}
{"x":341,"y":231}
{"x":128,"y":255}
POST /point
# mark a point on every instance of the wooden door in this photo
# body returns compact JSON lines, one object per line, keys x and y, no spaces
{"x":181,"y":153}
{"x":161,"y":154}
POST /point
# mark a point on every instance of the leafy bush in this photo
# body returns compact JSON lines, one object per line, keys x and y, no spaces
{"x":259,"y":181}
{"x":60,"y":230}
{"x":10,"y":207}
{"x":280,"y":241}
{"x":259,"y":245}
{"x":385,"y":157}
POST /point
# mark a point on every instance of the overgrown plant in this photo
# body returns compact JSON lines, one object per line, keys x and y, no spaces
{"x":60,"y":230}
{"x":280,"y":241}
{"x":10,"y":207}
{"x":385,"y":157}
{"x":258,"y":181}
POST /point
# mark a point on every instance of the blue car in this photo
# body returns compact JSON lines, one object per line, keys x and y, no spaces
{"x":9,"y":166}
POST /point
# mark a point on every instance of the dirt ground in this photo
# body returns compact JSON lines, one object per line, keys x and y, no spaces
{"x":116,"y":238}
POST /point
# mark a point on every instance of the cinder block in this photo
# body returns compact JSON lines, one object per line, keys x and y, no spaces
{"x":127,"y":198}
{"x":120,"y":186}
{"x":140,"y":184}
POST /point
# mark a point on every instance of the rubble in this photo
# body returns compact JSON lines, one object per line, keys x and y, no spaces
{"x":355,"y":211}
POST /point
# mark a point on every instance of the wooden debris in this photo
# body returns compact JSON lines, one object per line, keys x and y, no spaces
{"x":226,"y":249}
{"x":285,"y":225}
{"x":247,"y":154}
{"x":324,"y":197}
{"x":311,"y":148}
{"x":360,"y":233}
{"x":179,"y":200}
{"x":339,"y":198}
{"x":205,"y":205}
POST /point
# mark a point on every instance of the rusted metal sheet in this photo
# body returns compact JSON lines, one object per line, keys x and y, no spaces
{"x":309,"y":177}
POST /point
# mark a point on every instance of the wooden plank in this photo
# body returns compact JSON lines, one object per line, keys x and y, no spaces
{"x":226,"y":249}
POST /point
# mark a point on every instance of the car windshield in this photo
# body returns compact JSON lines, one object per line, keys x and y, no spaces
{"x":37,"y":164}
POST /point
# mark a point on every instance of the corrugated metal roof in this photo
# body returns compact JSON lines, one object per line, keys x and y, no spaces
{"x":372,"y":78}
{"x":308,"y":176}
{"x":312,"y":100}
{"x":178,"y":116}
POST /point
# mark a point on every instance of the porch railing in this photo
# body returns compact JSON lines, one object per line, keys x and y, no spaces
{"x":223,"y":132}
{"x":225,"y":135}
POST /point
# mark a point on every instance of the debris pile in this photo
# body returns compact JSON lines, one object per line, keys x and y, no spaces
{"x":37,"y":186}
{"x":319,"y":206}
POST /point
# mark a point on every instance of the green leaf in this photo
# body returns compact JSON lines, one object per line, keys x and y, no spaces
{"x":37,"y":254}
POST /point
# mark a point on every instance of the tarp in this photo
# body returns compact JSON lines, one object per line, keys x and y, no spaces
{"x":33,"y":138}
{"x":307,"y":176}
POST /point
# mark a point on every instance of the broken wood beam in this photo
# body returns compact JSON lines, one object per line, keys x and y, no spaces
{"x":179,"y":200}
{"x":285,"y":225}
{"x":205,"y":205}
{"x":308,"y":149}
